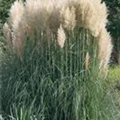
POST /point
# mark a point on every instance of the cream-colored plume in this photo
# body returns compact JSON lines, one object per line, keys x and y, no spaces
{"x":16,"y":14}
{"x":8,"y":35}
{"x":105,"y":48}
{"x":91,"y":14}
{"x":61,"y":37}
{"x":68,"y":18}
{"x":38,"y":13}
{"x":87,"y":60}
{"x":18,"y":26}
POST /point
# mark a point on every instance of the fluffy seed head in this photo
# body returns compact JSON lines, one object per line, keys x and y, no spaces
{"x":8,"y":35}
{"x":16,"y":14}
{"x":91,"y":15}
{"x":68,"y":17}
{"x":87,"y":60}
{"x":61,"y":37}
{"x":105,"y":48}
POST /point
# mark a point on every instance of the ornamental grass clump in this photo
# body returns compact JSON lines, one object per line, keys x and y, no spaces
{"x":55,"y":53}
{"x":36,"y":18}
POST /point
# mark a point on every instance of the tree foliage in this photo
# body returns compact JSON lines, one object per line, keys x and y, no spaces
{"x":114,"y":26}
{"x":114,"y":17}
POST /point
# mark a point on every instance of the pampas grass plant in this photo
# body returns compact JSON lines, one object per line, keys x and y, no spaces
{"x":55,"y":54}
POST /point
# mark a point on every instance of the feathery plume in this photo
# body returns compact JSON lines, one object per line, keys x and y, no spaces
{"x":98,"y":18}
{"x":54,"y":18}
{"x":32,"y":12}
{"x":87,"y":60}
{"x":16,"y":14}
{"x":17,"y":17}
{"x":69,"y":18}
{"x":105,"y":48}
{"x":91,"y":15}
{"x":61,"y":37}
{"x":8,"y":35}
{"x":38,"y":13}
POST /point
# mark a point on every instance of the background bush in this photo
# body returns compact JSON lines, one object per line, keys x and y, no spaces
{"x":114,"y":27}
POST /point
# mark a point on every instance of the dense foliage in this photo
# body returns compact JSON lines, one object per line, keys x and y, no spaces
{"x":114,"y":26}
{"x":114,"y":17}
